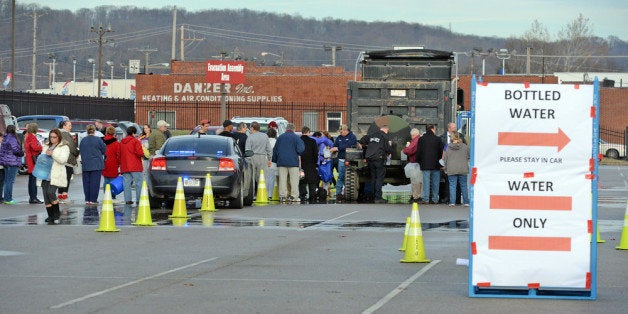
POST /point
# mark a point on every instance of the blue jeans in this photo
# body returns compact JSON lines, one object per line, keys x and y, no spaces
{"x":431,"y":178}
{"x":453,"y":180}
{"x":340,"y":182}
{"x":10,"y":172}
{"x":129,"y":179}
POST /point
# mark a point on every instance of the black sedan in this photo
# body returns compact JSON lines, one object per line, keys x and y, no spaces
{"x":192,"y":157}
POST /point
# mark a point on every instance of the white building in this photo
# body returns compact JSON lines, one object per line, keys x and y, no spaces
{"x":116,"y":88}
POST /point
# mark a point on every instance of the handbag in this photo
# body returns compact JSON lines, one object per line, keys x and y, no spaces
{"x":411,"y":170}
{"x":42,"y":167}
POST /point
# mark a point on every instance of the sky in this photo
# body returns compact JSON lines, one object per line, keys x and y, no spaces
{"x":501,"y":18}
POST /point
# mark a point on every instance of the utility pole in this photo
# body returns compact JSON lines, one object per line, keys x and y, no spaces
{"x":333,"y":49}
{"x":100,"y":31}
{"x":146,"y":51}
{"x":183,"y":39}
{"x":34,"y":69}
{"x":528,"y":51}
{"x":174,"y":34}
{"x":12,"y":43}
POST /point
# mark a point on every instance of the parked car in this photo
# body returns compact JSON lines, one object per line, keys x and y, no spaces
{"x":263,"y":123}
{"x":121,"y":127}
{"x":46,"y":122}
{"x":192,"y":158}
{"x":612,"y":150}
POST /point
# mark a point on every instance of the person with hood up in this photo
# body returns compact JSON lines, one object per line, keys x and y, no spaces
{"x":456,"y":160}
{"x":131,"y":166}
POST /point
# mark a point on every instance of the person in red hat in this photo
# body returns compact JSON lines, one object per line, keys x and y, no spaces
{"x":201,"y":128}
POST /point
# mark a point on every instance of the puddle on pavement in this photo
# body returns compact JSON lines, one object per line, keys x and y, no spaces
{"x":124,"y":215}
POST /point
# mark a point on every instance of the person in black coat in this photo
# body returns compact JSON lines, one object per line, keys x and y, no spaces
{"x":429,"y":152}
{"x":309,"y":158}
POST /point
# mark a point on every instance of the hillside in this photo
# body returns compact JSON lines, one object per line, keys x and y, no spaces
{"x":238,"y":34}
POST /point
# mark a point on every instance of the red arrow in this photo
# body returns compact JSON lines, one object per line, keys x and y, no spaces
{"x":560,"y":139}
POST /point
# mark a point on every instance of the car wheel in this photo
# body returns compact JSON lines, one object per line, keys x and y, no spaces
{"x":22,"y":170}
{"x":612,"y":153}
{"x":238,"y":201}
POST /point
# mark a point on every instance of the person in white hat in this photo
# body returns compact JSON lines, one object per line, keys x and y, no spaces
{"x":158,"y":138}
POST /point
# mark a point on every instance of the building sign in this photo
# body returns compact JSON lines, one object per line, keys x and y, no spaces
{"x":225,"y":72}
{"x":134,"y":66}
{"x":533,"y":178}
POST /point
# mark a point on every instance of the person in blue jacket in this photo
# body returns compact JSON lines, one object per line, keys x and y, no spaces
{"x":286,"y":154}
{"x":11,"y":158}
{"x":345,"y":140}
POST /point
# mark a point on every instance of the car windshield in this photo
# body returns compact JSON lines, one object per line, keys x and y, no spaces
{"x":196,"y":148}
{"x":42,"y":124}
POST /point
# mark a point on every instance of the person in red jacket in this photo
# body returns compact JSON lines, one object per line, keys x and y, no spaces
{"x":131,"y":166}
{"x":32,"y":149}
{"x":112,"y":160}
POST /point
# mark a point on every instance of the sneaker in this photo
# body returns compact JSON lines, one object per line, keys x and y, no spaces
{"x":466,"y":205}
{"x":11,"y":202}
{"x":35,"y":201}
{"x":452,"y":205}
{"x":282,"y":200}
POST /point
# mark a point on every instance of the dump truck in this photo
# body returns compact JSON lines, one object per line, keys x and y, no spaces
{"x":403,"y":89}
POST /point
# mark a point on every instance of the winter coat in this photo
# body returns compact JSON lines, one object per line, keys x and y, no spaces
{"x":377,"y":145}
{"x":32,"y":149}
{"x":131,"y":154}
{"x":344,"y":142}
{"x":411,"y":150}
{"x":92,"y":153}
{"x":456,"y":159}
{"x":60,"y":155}
{"x":322,"y":142}
{"x":287,"y":150}
{"x":429,"y":151}
{"x":112,"y":157}
{"x":9,"y":147}
{"x":74,"y":152}
{"x":309,"y":158}
{"x":155,"y":141}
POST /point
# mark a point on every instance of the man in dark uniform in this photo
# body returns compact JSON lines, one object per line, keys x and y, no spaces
{"x":378,"y":149}
{"x":309,"y":157}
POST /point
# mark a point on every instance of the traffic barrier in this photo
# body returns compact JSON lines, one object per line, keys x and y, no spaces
{"x":275,"y":197}
{"x":623,"y":243}
{"x":208,"y":196}
{"x":262,"y":194}
{"x":415,"y":252}
{"x":405,"y":235}
{"x":179,"y":210}
{"x":107,"y":220}
{"x":143,"y":209}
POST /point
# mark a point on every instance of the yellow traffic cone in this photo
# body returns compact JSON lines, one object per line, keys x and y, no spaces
{"x":262,"y":195}
{"x":599,"y":239}
{"x":623,"y":243}
{"x":207,"y":218}
{"x":143,"y":209}
{"x":107,"y":219}
{"x":208,"y":196}
{"x":179,"y":210}
{"x":179,"y":221}
{"x":415,"y":252}
{"x":275,"y":197}
{"x":405,"y":235}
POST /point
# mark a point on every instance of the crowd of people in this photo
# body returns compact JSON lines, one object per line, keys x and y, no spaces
{"x":302,"y":165}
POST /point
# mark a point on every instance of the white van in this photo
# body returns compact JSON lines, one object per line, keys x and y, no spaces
{"x":263,"y":122}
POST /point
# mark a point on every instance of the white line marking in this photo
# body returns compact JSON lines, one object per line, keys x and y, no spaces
{"x":345,"y":215}
{"x":95,"y":294}
{"x":400,"y":288}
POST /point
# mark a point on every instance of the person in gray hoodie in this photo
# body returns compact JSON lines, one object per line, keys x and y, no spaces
{"x":456,"y":160}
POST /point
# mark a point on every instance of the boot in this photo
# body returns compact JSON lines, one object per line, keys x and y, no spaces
{"x":56,"y":212}
{"x":50,"y":214}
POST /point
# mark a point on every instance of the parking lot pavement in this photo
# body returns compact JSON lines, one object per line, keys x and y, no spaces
{"x":341,"y":258}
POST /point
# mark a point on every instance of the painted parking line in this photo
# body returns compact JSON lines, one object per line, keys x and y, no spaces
{"x":95,"y":294}
{"x":400,"y":288}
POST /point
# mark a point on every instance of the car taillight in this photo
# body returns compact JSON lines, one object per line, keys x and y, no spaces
{"x":226,"y":164}
{"x":158,"y":163}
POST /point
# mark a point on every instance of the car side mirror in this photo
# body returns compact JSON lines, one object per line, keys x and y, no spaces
{"x":249,"y":153}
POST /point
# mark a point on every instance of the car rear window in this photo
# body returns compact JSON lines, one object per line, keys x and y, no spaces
{"x":42,"y":124}
{"x":196,"y":148}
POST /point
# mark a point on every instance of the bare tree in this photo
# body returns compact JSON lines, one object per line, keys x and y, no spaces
{"x":579,"y":47}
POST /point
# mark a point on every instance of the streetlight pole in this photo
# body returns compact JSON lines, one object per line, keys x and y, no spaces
{"x":110,"y":63}
{"x":122,"y":65}
{"x":54,"y":58}
{"x":503,"y":54}
{"x":74,"y":75}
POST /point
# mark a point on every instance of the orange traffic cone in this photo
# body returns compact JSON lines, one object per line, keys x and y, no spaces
{"x":179,"y":210}
{"x":623,"y":243}
{"x":405,"y":235}
{"x":262,"y":195}
{"x":143,"y":209}
{"x":208,"y":196}
{"x":415,"y":252}
{"x":107,"y":219}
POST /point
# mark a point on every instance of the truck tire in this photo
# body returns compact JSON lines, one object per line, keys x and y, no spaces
{"x":352,"y":184}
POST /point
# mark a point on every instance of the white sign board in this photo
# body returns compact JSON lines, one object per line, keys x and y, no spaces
{"x":134,"y":66}
{"x":532,"y":203}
